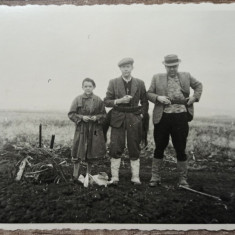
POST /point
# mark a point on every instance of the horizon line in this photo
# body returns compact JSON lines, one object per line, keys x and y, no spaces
{"x":66,"y":111}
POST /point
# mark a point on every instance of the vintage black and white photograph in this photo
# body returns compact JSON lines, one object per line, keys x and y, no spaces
{"x":117,"y":114}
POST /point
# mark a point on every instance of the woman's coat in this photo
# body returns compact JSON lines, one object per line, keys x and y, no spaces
{"x":88,"y":143}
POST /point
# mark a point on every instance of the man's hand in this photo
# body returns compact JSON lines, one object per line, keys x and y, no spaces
{"x":191,"y":100}
{"x":164,"y":100}
{"x":93,"y":118}
{"x":124,"y":100}
{"x":86,"y":118}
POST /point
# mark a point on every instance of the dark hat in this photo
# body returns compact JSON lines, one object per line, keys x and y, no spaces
{"x":125,"y":61}
{"x":171,"y":60}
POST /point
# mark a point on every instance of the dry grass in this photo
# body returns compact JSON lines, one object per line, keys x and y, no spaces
{"x":24,"y":127}
{"x":207,"y":136}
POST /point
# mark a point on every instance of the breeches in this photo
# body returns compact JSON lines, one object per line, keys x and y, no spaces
{"x":176,"y":126}
{"x":132,"y":129}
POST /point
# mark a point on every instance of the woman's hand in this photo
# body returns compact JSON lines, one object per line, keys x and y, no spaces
{"x":93,"y":118}
{"x":86,"y":118}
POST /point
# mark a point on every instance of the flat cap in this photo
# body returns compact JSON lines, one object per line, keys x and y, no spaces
{"x":125,"y":61}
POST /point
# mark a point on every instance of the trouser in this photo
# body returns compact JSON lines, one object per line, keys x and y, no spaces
{"x":106,"y":124}
{"x":132,"y":128}
{"x":145,"y":127}
{"x":176,"y":126}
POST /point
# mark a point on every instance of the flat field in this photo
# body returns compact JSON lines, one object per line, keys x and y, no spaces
{"x":211,"y":148}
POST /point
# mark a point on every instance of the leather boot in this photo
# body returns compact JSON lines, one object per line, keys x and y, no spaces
{"x":135,"y":170}
{"x":183,"y":173}
{"x":156,"y":170}
{"x":76,"y":168}
{"x":115,"y":165}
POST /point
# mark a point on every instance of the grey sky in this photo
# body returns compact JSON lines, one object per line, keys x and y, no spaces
{"x":68,"y":43}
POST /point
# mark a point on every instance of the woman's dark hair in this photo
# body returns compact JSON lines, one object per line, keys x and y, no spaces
{"x":89,"y":80}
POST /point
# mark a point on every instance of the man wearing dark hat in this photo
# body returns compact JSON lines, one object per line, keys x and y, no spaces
{"x":127,"y":96}
{"x":170,"y":92}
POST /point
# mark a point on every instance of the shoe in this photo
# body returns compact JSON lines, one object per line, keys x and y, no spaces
{"x":154,"y":183}
{"x":76,"y":181}
{"x":113,"y":183}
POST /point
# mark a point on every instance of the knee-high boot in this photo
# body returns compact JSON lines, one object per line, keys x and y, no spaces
{"x":115,"y":165}
{"x":183,"y":173}
{"x":156,"y":172}
{"x":76,"y":170}
{"x":135,"y":170}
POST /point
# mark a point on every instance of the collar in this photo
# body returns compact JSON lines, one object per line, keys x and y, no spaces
{"x":175,"y":77}
{"x":126,"y":80}
{"x":85,"y":96}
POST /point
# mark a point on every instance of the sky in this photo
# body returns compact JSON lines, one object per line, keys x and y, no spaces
{"x":46,"y":51}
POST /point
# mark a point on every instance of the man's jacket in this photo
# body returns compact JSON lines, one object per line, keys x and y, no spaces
{"x":116,"y":90}
{"x":158,"y":87}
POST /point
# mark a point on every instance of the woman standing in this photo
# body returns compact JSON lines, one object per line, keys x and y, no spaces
{"x":87,"y":112}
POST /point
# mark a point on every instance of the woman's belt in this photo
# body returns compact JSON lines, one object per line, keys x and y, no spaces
{"x":130,"y":109}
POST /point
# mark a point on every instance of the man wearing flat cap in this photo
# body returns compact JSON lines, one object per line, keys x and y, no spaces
{"x":170,"y":92}
{"x":127,"y":96}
